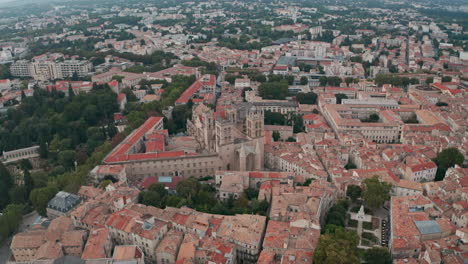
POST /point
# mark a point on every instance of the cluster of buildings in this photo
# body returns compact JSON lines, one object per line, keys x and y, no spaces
{"x":110,"y":220}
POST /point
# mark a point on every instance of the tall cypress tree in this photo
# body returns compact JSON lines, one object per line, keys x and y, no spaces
{"x":28,"y":183}
{"x":6,"y":183}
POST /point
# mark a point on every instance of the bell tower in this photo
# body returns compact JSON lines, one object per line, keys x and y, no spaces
{"x":254,"y":123}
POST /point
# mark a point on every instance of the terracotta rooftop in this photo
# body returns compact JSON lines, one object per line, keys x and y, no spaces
{"x":95,"y":246}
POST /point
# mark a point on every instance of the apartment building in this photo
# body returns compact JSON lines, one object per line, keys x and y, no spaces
{"x":346,"y":119}
{"x":420,"y":169}
{"x":21,"y":68}
{"x":50,"y":70}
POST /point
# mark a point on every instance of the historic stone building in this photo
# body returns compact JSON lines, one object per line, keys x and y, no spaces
{"x":235,"y":133}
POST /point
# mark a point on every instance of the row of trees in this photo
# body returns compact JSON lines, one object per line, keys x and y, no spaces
{"x":330,"y":81}
{"x":395,"y":80}
{"x":336,"y":81}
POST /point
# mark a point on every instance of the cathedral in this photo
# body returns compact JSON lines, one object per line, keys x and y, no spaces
{"x":235,"y":133}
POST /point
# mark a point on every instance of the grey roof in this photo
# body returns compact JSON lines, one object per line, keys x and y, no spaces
{"x":287,"y":60}
{"x":282,"y":41}
{"x":63,"y":202}
{"x":428,"y":227}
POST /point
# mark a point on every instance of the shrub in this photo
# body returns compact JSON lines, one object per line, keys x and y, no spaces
{"x":368,"y":225}
{"x":352,"y":223}
{"x":369,"y":236}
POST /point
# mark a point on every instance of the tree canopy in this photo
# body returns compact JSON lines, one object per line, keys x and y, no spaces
{"x":446,"y":159}
{"x":274,"y":90}
{"x":340,"y":97}
{"x":376,"y":192}
{"x":353,"y":192}
{"x":202,"y":197}
{"x":377,"y":255}
{"x":339,"y":246}
{"x":307,"y":98}
{"x":6,"y":183}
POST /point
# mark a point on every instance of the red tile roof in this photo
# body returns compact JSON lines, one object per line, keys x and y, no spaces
{"x":120,"y":153}
{"x":197,"y":85}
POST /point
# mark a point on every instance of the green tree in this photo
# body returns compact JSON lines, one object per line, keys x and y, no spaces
{"x":307,"y":98}
{"x":338,"y":247}
{"x":111,"y":130}
{"x":67,"y":158}
{"x":373,"y":118}
{"x":151,"y":198}
{"x":118,"y":78}
{"x":18,"y":194}
{"x":75,"y":76}
{"x":349,"y":80}
{"x":251,"y":193}
{"x":131,"y":97}
{"x":307,"y":182}
{"x":297,"y":122}
{"x":159,"y":188}
{"x":446,"y":78}
{"x":71,"y":93}
{"x":353,"y":192}
{"x":274,"y":118}
{"x":350,"y":166}
{"x":40,"y":197}
{"x":337,"y":214}
{"x":28,"y":183}
{"x":10,"y":220}
{"x":340,"y":97}
{"x":259,"y":207}
{"x":304,"y":80}
{"x":445,"y":159}
{"x":25,"y":164}
{"x":6,"y":183}
{"x":377,"y":255}
{"x":188,"y":188}
{"x":274,"y":90}
{"x":414,"y":81}
{"x":104,"y":184}
{"x":276,"y":136}
{"x":449,"y":157}
{"x":323,"y":80}
{"x":376,"y":193}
